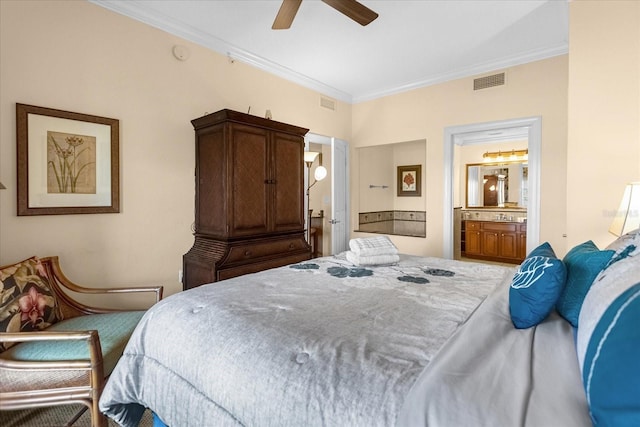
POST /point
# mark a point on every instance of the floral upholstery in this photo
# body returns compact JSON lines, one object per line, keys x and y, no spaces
{"x":27,"y":302}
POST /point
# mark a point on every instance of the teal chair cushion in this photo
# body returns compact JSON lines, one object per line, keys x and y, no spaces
{"x":114,"y":330}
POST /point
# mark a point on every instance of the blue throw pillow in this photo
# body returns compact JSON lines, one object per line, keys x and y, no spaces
{"x":544,"y":249}
{"x":535,"y":289}
{"x":611,"y":372}
{"x":583,"y":262}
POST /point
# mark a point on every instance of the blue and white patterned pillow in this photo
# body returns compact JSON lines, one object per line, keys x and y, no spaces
{"x":625,"y":245}
{"x":535,"y":288}
{"x":608,"y":344}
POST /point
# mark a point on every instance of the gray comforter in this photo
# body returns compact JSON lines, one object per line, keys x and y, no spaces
{"x":491,"y":374}
{"x":322,"y":343}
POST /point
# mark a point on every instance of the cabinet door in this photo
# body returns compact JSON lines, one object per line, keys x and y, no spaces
{"x":490,"y":243}
{"x":287,"y":210}
{"x":522,"y":245}
{"x":211,"y":193}
{"x":248,"y":176}
{"x":472,"y":242}
{"x":508,"y":245}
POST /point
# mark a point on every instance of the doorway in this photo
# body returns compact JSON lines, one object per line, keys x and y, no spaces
{"x":329,"y":200}
{"x":490,"y":188}
{"x":455,"y":135}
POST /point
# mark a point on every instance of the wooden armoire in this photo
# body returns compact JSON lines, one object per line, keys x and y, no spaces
{"x":249,"y":204}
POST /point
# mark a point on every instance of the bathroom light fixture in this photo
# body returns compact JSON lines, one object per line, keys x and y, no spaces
{"x":628,"y":215}
{"x":506,"y":155}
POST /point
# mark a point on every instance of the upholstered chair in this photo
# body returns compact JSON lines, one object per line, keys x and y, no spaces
{"x":55,"y":350}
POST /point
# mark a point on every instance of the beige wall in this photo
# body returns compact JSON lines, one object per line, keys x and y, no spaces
{"x":377,"y":170}
{"x":379,"y":167}
{"x":535,"y":89}
{"x":76,"y":56}
{"x":604,"y":114}
{"x":409,"y":153}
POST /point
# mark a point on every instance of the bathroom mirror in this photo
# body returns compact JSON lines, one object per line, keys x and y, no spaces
{"x":497,"y":185}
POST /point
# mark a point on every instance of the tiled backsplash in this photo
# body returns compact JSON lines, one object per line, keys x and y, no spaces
{"x":403,"y":223}
{"x":516,"y":215}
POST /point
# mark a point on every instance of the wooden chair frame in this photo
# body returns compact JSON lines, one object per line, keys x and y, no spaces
{"x":88,"y":393}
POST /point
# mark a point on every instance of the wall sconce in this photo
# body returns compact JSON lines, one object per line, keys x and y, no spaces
{"x":505,"y":155}
{"x":628,"y":215}
{"x":2,"y":187}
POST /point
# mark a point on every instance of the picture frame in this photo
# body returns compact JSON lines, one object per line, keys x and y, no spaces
{"x":410,"y":181}
{"x":68,"y":163}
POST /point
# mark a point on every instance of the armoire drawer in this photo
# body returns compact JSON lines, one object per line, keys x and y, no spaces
{"x":255,"y":250}
{"x":241,"y":269}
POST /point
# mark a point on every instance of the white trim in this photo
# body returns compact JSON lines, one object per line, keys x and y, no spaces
{"x":507,"y":62}
{"x":134,"y":10}
{"x":454,"y":135}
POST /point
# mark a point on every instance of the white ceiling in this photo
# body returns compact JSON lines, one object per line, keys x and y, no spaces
{"x":411,"y":44}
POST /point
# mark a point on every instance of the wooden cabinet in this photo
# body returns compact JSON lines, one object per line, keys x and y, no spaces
{"x":496,"y":241}
{"x":316,"y":235}
{"x":473,"y":238}
{"x":249,"y":203}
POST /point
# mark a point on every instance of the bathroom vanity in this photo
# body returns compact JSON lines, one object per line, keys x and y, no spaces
{"x":494,"y":240}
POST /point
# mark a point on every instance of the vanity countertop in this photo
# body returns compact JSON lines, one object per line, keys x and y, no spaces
{"x":515,"y":210}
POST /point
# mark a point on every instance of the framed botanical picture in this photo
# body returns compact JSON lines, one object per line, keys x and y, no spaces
{"x":410,"y":181}
{"x":68,"y":163}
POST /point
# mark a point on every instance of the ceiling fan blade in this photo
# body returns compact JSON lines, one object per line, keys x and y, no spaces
{"x":287,"y":12}
{"x":354,"y":10}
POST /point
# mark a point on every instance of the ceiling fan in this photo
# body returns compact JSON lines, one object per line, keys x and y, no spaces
{"x":351,"y":8}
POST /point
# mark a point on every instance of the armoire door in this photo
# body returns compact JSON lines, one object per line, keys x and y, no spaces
{"x":288,"y":192}
{"x":249,"y":181}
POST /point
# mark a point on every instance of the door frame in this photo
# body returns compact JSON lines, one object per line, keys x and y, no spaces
{"x":454,"y":135}
{"x":331,"y":141}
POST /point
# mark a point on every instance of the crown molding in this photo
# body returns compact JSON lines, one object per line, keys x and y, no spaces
{"x":511,"y":61}
{"x":133,"y":9}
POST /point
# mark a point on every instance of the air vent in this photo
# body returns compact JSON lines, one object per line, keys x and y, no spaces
{"x":488,"y":81}
{"x":327,"y":103}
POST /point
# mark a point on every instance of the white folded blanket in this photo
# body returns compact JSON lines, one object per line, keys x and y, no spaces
{"x":384,"y":259}
{"x":371,"y":246}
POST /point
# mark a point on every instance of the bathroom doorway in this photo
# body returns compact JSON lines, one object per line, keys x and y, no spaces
{"x":529,"y":127}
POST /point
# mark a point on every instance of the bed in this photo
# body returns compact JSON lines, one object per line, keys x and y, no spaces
{"x":424,"y":341}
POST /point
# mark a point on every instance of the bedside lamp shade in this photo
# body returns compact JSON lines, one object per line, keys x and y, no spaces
{"x":628,"y":216}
